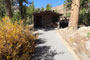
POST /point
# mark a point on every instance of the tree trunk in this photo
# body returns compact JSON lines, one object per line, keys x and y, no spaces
{"x":73,"y":22}
{"x":21,"y":8}
{"x":8,"y":8}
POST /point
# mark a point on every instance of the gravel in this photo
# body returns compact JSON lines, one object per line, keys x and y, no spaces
{"x":51,"y":47}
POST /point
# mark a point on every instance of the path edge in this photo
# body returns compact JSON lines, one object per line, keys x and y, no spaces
{"x":68,"y":46}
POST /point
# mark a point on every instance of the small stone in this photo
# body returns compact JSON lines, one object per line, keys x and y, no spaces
{"x":75,"y":44}
{"x":88,"y":45}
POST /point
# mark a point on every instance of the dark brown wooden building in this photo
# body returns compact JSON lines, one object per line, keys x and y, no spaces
{"x":46,"y":19}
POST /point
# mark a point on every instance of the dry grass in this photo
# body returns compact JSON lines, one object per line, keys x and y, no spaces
{"x":77,"y":39}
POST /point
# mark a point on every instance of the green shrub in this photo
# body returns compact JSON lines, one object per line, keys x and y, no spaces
{"x":88,"y":34}
{"x":16,"y":17}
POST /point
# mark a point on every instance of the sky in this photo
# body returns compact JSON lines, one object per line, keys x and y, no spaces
{"x":43,"y":3}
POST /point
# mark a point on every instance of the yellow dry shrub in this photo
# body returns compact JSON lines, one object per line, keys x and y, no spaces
{"x":16,"y":41}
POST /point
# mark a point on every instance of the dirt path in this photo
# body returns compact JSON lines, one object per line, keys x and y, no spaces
{"x":50,"y":47}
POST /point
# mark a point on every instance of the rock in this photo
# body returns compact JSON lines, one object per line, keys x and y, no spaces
{"x":84,"y":30}
{"x":88,"y":45}
{"x":75,"y":44}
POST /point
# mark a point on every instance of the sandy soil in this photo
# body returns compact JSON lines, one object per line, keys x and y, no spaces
{"x":78,"y":40}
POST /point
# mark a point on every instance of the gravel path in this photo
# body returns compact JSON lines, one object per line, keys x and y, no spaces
{"x":50,"y":47}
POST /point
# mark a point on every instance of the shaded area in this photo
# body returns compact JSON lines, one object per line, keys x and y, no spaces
{"x":48,"y":29}
{"x":44,"y":29}
{"x":40,"y":33}
{"x":40,"y":41}
{"x":43,"y":52}
{"x":63,"y":23}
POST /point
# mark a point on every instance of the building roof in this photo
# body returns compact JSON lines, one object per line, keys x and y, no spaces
{"x":47,"y":13}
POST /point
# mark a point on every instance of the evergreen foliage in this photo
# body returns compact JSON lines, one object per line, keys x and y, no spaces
{"x":84,"y":17}
{"x":2,"y":9}
{"x":30,"y":11}
{"x":42,"y":9}
{"x":48,"y":7}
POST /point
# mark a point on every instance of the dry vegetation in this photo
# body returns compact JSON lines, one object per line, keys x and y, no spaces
{"x":16,"y":41}
{"x":79,"y":40}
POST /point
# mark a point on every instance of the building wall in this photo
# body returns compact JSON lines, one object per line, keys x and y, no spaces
{"x":46,"y":20}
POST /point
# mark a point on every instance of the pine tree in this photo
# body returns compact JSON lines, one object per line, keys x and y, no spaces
{"x":22,"y":8}
{"x":73,"y":22}
{"x":42,"y":9}
{"x":2,"y":9}
{"x":48,"y":7}
{"x":8,"y":8}
{"x":30,"y":11}
{"x":84,"y":18}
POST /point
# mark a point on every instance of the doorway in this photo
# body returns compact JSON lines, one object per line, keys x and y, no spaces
{"x":38,"y":21}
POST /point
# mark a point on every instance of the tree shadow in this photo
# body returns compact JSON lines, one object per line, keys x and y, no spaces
{"x":40,"y":41}
{"x":45,"y":29}
{"x":42,"y":52}
{"x":48,"y":29}
{"x":40,"y":33}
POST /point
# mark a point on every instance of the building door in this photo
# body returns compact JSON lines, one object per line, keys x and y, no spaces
{"x":38,"y":21}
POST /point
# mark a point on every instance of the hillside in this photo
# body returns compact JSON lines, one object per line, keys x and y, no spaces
{"x":59,"y":9}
